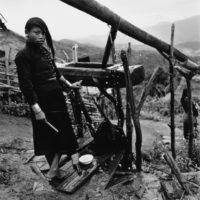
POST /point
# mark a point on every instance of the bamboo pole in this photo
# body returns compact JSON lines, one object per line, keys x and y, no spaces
{"x":171,"y":71}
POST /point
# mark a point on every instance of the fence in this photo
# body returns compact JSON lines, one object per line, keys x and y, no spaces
{"x":8,"y":78}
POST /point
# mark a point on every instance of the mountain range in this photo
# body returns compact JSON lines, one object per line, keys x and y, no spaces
{"x":186,"y":36}
{"x":15,"y":42}
{"x":187,"y":39}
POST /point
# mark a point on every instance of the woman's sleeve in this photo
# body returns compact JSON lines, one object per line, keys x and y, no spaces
{"x":25,"y":80}
{"x":58,"y":74}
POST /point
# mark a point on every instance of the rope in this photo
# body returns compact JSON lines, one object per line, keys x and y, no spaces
{"x":117,"y":28}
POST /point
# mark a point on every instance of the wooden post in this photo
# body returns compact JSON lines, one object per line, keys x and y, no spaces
{"x":113,"y":53}
{"x":109,"y":44}
{"x":129,"y":124}
{"x":188,"y":77}
{"x":74,"y":53}
{"x":66,"y":55}
{"x":138,"y":131}
{"x":191,"y":128}
{"x":129,"y":132}
{"x":171,"y":72}
{"x":119,"y":109}
{"x":7,"y":59}
{"x":135,"y":112}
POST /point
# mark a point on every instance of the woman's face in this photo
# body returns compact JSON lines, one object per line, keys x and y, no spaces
{"x":36,"y":35}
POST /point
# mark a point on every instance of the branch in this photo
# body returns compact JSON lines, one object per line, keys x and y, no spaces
{"x":147,"y":89}
{"x":185,"y":72}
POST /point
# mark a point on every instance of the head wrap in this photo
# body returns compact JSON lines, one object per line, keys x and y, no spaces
{"x":36,"y":21}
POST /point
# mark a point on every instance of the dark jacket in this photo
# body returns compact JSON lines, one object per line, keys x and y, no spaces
{"x":35,"y":67}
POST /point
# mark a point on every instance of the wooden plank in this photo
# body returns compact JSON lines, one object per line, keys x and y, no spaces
{"x":44,"y":166}
{"x":87,"y":65}
{"x":72,"y":183}
{"x":113,"y":165}
{"x":105,"y":77}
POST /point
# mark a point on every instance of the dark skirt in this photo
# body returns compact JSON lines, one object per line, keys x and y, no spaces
{"x":45,"y":140}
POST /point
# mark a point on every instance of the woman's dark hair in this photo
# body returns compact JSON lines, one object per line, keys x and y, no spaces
{"x":36,"y":21}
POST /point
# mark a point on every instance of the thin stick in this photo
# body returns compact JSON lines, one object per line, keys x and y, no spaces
{"x":171,"y":71}
{"x":147,"y":89}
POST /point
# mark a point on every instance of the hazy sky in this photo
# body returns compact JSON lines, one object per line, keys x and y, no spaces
{"x":65,"y":21}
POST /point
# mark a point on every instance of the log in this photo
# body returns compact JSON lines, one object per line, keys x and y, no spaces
{"x":184,"y":72}
{"x":170,"y":161}
{"x":107,"y":78}
{"x":104,"y":14}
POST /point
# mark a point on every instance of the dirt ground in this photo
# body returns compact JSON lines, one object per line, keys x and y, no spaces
{"x":17,"y":181}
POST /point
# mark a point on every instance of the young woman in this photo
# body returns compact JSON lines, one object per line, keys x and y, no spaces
{"x":41,"y":83}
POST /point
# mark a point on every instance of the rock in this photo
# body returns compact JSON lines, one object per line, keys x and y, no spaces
{"x":146,"y":156}
{"x":193,"y":177}
{"x":38,"y":187}
{"x":166,"y":141}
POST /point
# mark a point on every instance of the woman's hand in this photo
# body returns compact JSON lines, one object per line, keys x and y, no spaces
{"x":40,"y":115}
{"x":76,"y":85}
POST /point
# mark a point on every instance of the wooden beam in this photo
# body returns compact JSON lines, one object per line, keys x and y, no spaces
{"x":104,"y":14}
{"x":110,"y":77}
{"x":86,"y":64}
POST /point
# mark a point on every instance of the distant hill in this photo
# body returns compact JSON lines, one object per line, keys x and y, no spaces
{"x":186,"y":30}
{"x":10,"y":39}
{"x":190,"y":48}
{"x":95,"y":53}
